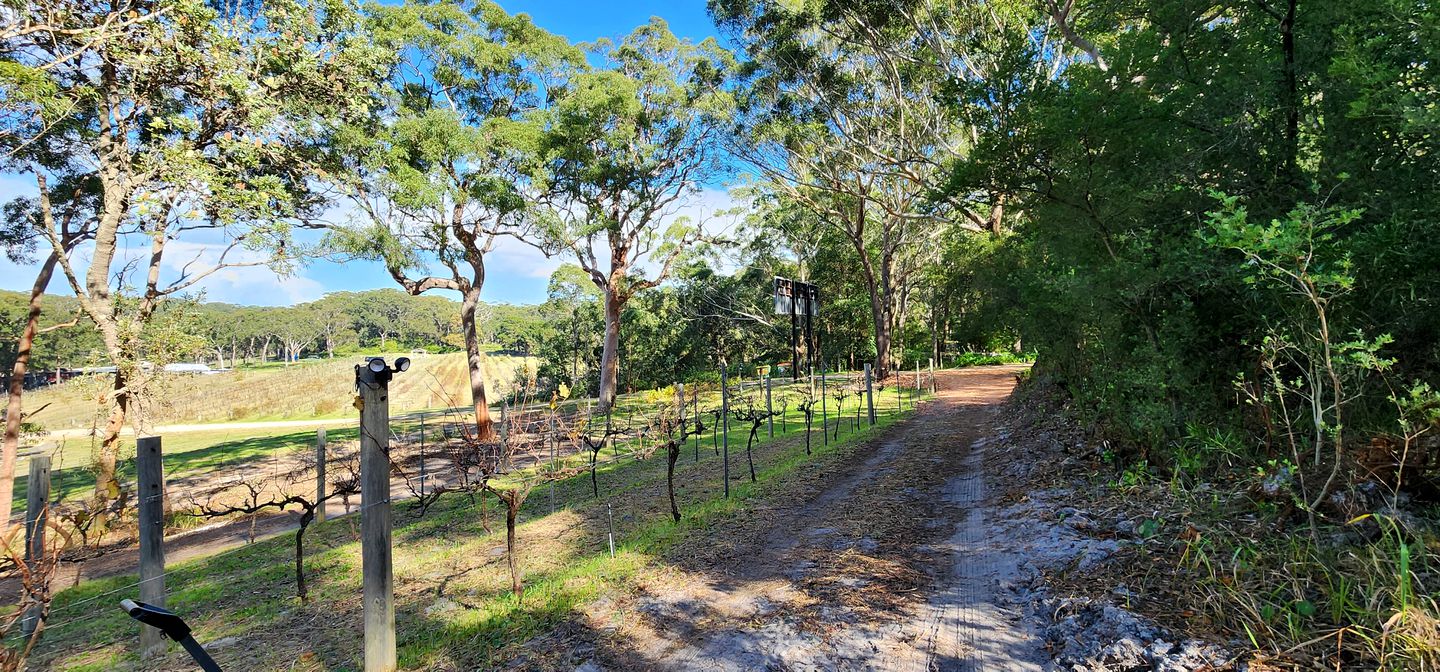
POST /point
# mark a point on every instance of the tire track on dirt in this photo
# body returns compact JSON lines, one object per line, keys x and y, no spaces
{"x":970,"y":629}
{"x":836,"y":584}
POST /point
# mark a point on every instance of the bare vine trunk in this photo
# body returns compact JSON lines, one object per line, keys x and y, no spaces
{"x":513,"y":500}
{"x":305,"y":520}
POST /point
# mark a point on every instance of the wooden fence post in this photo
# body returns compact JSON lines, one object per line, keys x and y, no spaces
{"x":680,"y":408}
{"x":824,"y":409}
{"x":554,"y":448}
{"x":769,"y":409}
{"x":320,"y":475}
{"x":150,"y":475}
{"x":504,"y":435}
{"x":37,"y":504}
{"x":869,"y":394}
{"x":375,"y":522}
{"x":725,"y":422}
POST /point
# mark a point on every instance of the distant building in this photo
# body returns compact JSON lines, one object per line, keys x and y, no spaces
{"x":189,"y":367}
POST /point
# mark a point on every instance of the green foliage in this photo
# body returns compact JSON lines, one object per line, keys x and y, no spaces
{"x":987,"y":359}
{"x":1142,"y":288}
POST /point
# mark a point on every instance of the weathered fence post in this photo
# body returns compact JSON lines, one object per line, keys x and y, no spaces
{"x":320,"y":475}
{"x":725,"y":421}
{"x":869,"y":394}
{"x":899,"y":380}
{"x":610,"y":523}
{"x":375,"y":520}
{"x":37,"y":506}
{"x":824,"y":409}
{"x":680,"y":408}
{"x":150,"y":476}
{"x":504,"y":436}
{"x":769,"y":409}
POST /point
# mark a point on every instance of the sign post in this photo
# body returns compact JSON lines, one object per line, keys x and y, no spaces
{"x":796,"y":299}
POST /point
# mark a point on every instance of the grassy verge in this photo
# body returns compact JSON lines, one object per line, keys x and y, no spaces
{"x":453,"y":605}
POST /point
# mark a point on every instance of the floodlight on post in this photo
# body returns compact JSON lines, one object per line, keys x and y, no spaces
{"x":372,"y":382}
{"x":377,"y":372}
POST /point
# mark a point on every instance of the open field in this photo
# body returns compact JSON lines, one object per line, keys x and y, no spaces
{"x":248,"y":399}
{"x":303,"y":390}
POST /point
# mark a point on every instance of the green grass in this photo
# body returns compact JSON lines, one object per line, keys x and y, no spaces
{"x":248,"y":592}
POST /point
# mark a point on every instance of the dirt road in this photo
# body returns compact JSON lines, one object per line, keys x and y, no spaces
{"x":899,"y":563}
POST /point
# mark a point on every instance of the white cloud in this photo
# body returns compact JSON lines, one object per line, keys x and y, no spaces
{"x":513,"y":258}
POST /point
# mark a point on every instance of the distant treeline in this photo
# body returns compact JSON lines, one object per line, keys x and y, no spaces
{"x":224,"y":334}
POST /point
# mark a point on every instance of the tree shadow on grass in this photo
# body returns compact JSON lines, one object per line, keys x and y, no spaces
{"x":187,"y":467}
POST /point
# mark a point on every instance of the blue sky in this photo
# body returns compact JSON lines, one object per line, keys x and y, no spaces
{"x":515,"y":272}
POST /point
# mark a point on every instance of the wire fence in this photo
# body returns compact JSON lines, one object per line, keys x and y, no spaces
{"x":549,"y":447}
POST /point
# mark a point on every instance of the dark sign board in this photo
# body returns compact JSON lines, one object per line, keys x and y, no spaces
{"x":799,"y":298}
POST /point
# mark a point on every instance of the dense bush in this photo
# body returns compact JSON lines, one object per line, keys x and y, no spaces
{"x":1114,"y":272}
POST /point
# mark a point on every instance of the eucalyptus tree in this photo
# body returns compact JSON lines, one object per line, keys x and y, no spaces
{"x":573,"y":302}
{"x":195,"y":123}
{"x":834,"y":124}
{"x":74,"y":199}
{"x":626,"y":144}
{"x":440,"y":176}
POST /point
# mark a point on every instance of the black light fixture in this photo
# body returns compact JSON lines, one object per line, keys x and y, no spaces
{"x":377,"y":372}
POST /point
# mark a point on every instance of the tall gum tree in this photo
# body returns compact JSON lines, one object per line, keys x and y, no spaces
{"x":440,"y":174}
{"x":196,"y":126}
{"x":833,"y":124}
{"x":68,"y":208}
{"x":859,"y":111}
{"x":625,"y":146}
